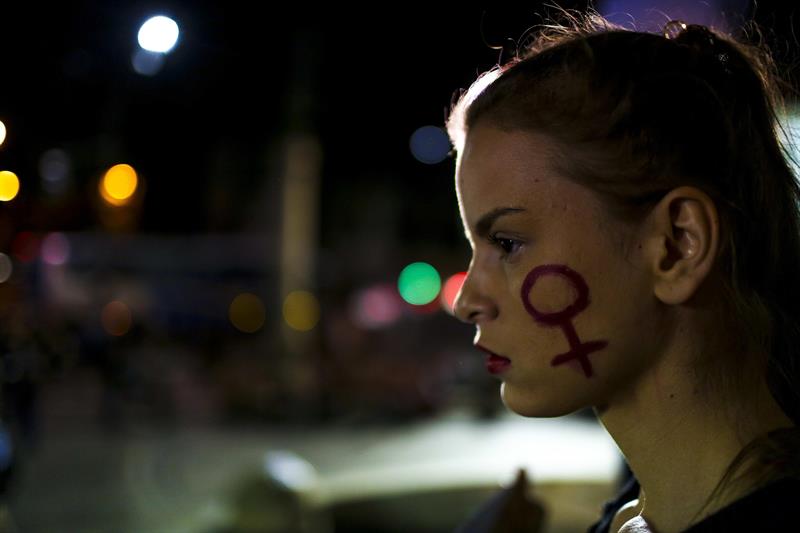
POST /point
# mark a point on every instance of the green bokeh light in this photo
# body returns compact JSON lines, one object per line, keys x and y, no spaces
{"x":419,"y":283}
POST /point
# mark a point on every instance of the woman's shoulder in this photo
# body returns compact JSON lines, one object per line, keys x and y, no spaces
{"x":772,"y":507}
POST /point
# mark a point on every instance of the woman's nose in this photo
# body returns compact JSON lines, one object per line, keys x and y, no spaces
{"x":472,"y":304}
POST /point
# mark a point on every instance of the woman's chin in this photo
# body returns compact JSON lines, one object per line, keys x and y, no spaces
{"x":532,"y":405}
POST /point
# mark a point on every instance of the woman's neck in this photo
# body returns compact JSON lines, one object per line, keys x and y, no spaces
{"x":677,"y":444}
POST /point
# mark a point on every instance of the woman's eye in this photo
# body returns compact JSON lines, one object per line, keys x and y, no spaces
{"x":508,"y":246}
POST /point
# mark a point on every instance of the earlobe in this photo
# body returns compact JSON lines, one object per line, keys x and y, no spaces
{"x":687,"y":230}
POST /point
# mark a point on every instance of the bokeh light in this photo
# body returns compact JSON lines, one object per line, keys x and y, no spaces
{"x":376,"y":307}
{"x":158,"y":34}
{"x":25,"y":246}
{"x":2,"y":132}
{"x":6,"y":267}
{"x":6,"y":448}
{"x":116,"y":318}
{"x":55,"y":249}
{"x":9,"y":185}
{"x":450,"y":290}
{"x":247,"y":313}
{"x":419,"y":283}
{"x":301,"y":310}
{"x":54,"y":169}
{"x":147,"y":63}
{"x":290,"y":470}
{"x":119,"y":184}
{"x":430,"y":145}
{"x":651,"y":17}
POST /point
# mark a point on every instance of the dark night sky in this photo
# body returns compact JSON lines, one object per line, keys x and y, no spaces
{"x":372,"y":79}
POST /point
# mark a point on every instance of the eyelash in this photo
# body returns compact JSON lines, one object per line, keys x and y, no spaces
{"x":500,"y":242}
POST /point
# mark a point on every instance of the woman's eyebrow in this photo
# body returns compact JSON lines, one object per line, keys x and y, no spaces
{"x":486,"y":222}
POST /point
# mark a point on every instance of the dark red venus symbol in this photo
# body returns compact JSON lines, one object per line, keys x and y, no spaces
{"x":578,"y":350}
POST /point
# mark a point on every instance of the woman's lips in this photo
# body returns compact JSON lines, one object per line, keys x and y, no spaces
{"x":495,"y":364}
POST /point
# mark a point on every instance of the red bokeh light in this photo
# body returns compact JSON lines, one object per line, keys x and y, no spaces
{"x":451,"y":288}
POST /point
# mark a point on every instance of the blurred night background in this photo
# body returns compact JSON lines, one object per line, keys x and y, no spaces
{"x":226,"y":273}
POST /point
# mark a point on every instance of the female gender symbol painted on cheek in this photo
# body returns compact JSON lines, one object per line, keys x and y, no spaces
{"x":578,"y":350}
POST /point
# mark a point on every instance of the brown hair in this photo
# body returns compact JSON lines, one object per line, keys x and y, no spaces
{"x":632,"y":116}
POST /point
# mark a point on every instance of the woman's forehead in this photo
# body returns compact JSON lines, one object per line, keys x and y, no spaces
{"x":500,"y":169}
{"x":504,"y":166}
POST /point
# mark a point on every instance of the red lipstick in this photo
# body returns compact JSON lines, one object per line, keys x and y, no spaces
{"x":495,"y":364}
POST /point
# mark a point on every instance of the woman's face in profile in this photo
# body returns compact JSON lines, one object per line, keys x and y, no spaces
{"x":549,"y":287}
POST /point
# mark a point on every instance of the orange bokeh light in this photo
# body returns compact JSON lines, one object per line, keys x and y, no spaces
{"x":119,"y":184}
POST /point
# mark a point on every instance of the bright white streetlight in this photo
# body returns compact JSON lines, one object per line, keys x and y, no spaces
{"x":159,"y":34}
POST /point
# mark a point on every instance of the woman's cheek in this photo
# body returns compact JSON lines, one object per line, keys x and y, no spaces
{"x":553,"y":295}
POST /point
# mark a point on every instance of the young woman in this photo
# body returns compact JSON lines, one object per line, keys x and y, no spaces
{"x":636,"y":248}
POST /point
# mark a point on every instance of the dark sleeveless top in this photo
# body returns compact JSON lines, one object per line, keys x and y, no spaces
{"x":772,"y":508}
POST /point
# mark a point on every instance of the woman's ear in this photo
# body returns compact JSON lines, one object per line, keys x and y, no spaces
{"x":683,"y":243}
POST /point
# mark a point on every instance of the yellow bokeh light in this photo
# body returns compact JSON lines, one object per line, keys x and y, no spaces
{"x":9,"y":185}
{"x":301,"y":310}
{"x":2,"y":132}
{"x":116,"y":318}
{"x":246,"y":313}
{"x":119,"y":184}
